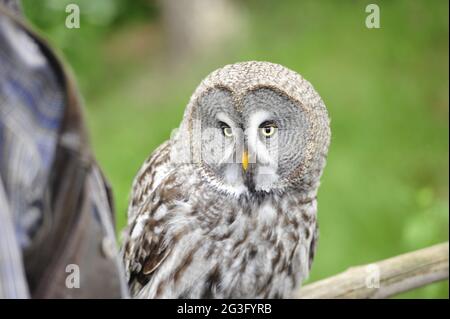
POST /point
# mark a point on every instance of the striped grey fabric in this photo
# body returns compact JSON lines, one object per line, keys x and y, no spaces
{"x":55,"y":208}
{"x":31,"y":107}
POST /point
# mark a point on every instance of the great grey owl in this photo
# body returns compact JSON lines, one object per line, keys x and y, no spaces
{"x":226,"y":208}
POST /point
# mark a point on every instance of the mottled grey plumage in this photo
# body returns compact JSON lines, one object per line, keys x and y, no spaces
{"x":203,"y":223}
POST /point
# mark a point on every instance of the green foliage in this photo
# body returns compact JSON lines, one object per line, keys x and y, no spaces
{"x":385,"y":188}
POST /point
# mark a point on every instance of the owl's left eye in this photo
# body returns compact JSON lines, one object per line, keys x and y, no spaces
{"x":226,"y":130}
{"x":268,"y":129}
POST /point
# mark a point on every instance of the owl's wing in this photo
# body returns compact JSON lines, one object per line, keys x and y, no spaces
{"x":149,"y":176}
{"x":149,"y":242}
{"x":144,"y":247}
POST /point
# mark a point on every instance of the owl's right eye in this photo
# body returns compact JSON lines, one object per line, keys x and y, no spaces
{"x":226,"y":130}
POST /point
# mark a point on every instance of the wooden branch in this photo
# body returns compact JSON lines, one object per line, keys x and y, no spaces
{"x":384,"y":278}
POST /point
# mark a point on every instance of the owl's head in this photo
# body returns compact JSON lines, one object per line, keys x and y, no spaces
{"x":256,"y":127}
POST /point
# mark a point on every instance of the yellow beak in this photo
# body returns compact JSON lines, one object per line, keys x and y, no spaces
{"x":245,"y":160}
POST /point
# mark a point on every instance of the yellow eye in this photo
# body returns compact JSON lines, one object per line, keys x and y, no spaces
{"x":268,"y":130}
{"x":227,"y":131}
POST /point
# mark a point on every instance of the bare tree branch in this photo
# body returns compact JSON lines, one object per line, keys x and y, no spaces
{"x":384,"y":278}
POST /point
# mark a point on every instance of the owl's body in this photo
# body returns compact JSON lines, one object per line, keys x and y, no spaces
{"x":205,"y":224}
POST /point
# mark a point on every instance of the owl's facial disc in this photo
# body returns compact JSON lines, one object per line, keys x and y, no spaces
{"x":254,"y":148}
{"x":248,"y":157}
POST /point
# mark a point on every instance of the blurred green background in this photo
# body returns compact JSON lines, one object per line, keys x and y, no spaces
{"x":385,"y":188}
